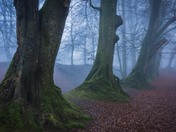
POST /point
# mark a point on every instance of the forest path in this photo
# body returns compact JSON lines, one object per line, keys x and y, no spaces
{"x":149,"y":110}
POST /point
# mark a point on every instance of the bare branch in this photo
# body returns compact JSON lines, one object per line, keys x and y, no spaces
{"x":164,"y":33}
{"x":158,"y":45}
{"x":166,"y":25}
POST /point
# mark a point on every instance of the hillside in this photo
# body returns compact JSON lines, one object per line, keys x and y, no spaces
{"x":66,"y":77}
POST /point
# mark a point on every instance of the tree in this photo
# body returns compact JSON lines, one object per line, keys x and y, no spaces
{"x":171,"y":58}
{"x":101,"y":83}
{"x":7,"y":29}
{"x":29,"y":98}
{"x":153,"y":41}
{"x":80,"y":33}
{"x":137,"y":20}
{"x":135,"y":11}
{"x":124,"y":47}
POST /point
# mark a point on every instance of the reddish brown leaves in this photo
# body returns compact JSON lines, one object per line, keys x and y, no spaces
{"x":148,"y":110}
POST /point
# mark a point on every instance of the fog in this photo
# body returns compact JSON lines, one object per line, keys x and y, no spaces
{"x":79,"y":42}
{"x":113,"y":75}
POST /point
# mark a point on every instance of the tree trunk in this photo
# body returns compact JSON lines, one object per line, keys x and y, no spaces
{"x":29,"y":79}
{"x":133,"y":20}
{"x":93,"y":46}
{"x":133,"y":52}
{"x":138,"y":78}
{"x":101,"y":83}
{"x":124,"y":55}
{"x":119,"y":59}
{"x":171,"y":58}
{"x":153,"y":41}
{"x":72,"y":43}
{"x":85,"y":51}
{"x":154,"y":65}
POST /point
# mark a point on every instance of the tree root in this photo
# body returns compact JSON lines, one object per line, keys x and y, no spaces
{"x":60,"y":114}
{"x":99,"y":89}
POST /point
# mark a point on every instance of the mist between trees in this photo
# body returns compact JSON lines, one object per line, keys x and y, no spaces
{"x":127,"y":39}
{"x":80,"y":38}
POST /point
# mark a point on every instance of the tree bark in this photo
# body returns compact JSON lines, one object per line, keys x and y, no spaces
{"x":29,"y":79}
{"x":101,"y":81}
{"x":24,"y":65}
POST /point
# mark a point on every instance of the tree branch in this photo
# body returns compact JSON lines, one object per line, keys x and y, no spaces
{"x":164,"y":33}
{"x":94,"y":7}
{"x":158,"y":45}
{"x":166,"y":26}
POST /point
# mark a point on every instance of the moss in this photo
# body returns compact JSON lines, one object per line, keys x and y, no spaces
{"x":15,"y":118}
{"x":53,"y":119}
{"x":73,"y":124}
{"x":62,"y":113}
{"x":55,"y":114}
{"x":99,"y":89}
{"x":11,"y":116}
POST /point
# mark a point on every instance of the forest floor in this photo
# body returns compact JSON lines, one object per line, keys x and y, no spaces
{"x":148,"y":110}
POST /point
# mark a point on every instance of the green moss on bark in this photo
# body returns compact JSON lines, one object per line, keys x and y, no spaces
{"x":99,"y":89}
{"x":16,"y":118}
{"x":59,"y":115}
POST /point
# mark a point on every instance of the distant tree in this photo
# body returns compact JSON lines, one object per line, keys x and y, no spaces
{"x":153,"y":41}
{"x":171,"y":58}
{"x":73,"y":39}
{"x":7,"y":30}
{"x":29,"y":99}
{"x":119,"y":59}
{"x":80,"y":33}
{"x":101,"y":82}
{"x":124,"y":44}
{"x":134,"y":21}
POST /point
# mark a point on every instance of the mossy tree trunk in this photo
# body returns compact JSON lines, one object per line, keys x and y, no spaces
{"x":101,"y":82}
{"x":29,"y":79}
{"x":20,"y":79}
{"x":109,"y":22}
{"x":153,"y":42}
